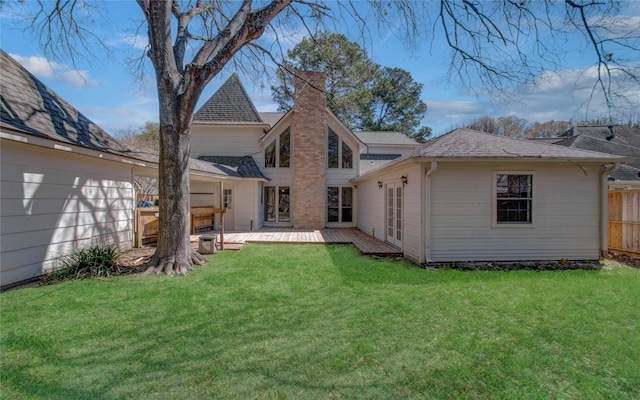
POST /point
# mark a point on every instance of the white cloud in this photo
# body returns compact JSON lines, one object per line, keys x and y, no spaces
{"x":46,"y":69}
{"x":39,"y":66}
{"x":138,"y":42}
{"x":560,"y":95}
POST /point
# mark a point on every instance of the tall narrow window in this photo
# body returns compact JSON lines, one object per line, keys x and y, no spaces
{"x":284,"y":215}
{"x":227,"y":198}
{"x":332,"y":149}
{"x":347,"y":204}
{"x":270,"y":203}
{"x":514,"y":198}
{"x":285,"y":149}
{"x":333,"y":204}
{"x":347,"y":156}
{"x":270,"y":155}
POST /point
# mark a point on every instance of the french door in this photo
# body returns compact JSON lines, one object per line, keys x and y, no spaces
{"x":395,"y":221}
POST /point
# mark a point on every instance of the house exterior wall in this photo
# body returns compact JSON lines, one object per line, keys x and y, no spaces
{"x":565,"y":214}
{"x":228,"y":140}
{"x":565,"y":208}
{"x":54,"y":202}
{"x":245,"y":206}
{"x":372,"y":208}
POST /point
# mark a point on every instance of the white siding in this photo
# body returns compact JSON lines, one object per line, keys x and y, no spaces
{"x":229,"y":140}
{"x":54,"y":202}
{"x":372,"y":210}
{"x":245,"y":206}
{"x":565,"y":212}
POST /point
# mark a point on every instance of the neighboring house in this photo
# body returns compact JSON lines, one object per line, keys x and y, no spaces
{"x":473,"y":196}
{"x":65,"y":183}
{"x":620,"y":140}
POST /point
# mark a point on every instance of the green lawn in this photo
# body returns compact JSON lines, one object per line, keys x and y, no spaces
{"x":323,"y":322}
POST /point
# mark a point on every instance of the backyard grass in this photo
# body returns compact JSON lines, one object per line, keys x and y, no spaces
{"x":323,"y":322}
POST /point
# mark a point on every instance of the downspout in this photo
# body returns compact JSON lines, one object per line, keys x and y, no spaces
{"x":425,"y":249}
{"x":604,"y":206}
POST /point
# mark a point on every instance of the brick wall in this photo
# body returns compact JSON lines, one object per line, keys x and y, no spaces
{"x":309,"y":156}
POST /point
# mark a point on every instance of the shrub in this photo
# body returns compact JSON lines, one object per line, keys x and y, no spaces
{"x":91,"y":262}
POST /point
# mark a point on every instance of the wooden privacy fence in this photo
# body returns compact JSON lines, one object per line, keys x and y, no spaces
{"x":202,"y":219}
{"x":624,"y":221}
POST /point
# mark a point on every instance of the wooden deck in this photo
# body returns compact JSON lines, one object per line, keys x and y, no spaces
{"x":367,"y":245}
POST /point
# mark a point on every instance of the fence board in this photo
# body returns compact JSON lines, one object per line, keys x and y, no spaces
{"x":624,"y":221}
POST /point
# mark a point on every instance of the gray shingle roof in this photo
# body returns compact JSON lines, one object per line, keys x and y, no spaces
{"x":230,"y":103}
{"x":467,"y":143}
{"x":271,"y":118}
{"x":244,"y":167}
{"x":626,"y":142}
{"x":384,"y":138}
{"x":28,"y":105}
{"x":464,"y":144}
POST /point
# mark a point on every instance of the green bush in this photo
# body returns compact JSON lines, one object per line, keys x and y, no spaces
{"x":91,"y":262}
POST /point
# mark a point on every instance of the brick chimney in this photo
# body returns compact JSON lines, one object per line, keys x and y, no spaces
{"x":310,"y":150}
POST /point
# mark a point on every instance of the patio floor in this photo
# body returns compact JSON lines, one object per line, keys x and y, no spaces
{"x":367,"y":245}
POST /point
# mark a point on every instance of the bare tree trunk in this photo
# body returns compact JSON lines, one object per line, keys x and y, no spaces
{"x":174,"y":254}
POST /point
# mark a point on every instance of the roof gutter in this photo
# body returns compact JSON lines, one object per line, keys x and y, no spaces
{"x":604,"y":209}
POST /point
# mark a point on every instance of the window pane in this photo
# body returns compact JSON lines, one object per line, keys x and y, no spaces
{"x":347,"y":204}
{"x":332,"y":149}
{"x":333,"y":204}
{"x":283,"y":205}
{"x":514,"y":199}
{"x":285,"y":148}
{"x":347,"y":156}
{"x":269,"y":203}
{"x":270,"y":155}
{"x":227,"y":198}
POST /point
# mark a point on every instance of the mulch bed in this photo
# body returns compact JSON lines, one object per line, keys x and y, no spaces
{"x":562,"y":265}
{"x":626,"y":260}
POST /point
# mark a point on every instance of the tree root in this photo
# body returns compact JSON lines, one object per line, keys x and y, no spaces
{"x":170,"y":266}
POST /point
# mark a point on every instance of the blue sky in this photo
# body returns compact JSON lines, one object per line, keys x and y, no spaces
{"x":105,"y":89}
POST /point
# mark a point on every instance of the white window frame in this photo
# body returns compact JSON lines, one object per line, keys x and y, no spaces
{"x":341,"y":205}
{"x":494,"y":201}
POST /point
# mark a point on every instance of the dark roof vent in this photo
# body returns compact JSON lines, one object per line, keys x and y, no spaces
{"x":613,"y":133}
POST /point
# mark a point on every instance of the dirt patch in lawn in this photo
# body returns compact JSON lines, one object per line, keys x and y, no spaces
{"x":136,"y":257}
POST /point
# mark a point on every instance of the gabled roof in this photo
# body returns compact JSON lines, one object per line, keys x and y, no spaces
{"x":29,"y":106}
{"x":471,"y":145}
{"x":230,"y":104}
{"x":384,"y":138}
{"x":243,"y":167}
{"x":625,"y":142}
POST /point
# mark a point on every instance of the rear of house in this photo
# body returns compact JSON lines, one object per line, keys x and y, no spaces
{"x":306,"y":157}
{"x":472,"y":196}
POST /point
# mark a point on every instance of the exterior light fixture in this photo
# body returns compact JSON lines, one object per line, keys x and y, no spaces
{"x":403,"y":178}
{"x":379,"y":184}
